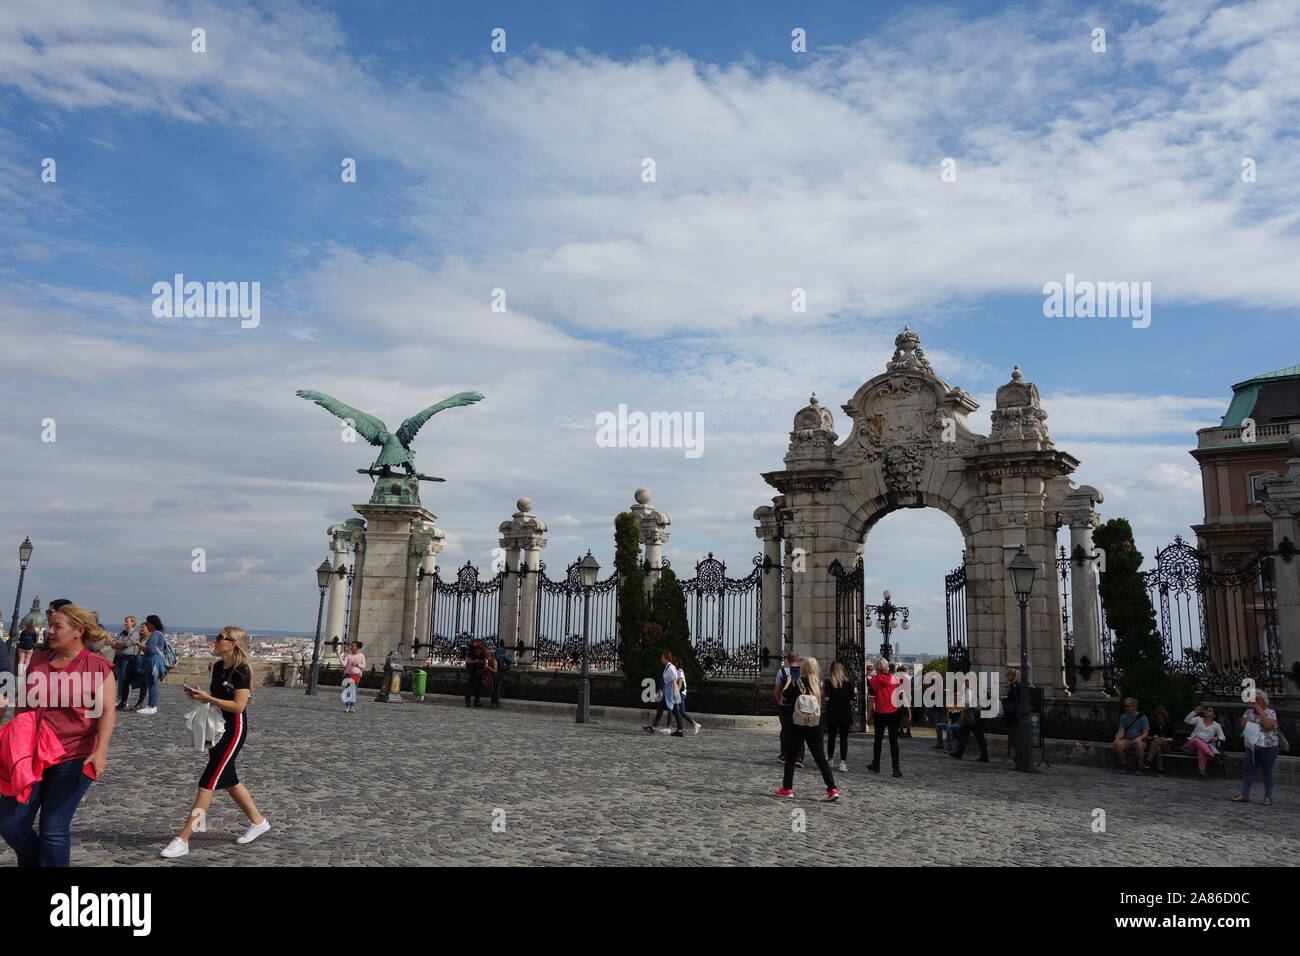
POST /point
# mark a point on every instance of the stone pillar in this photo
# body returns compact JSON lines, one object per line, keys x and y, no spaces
{"x":428,"y":544}
{"x":384,"y":586}
{"x":341,"y":545}
{"x":770,"y":595}
{"x":1283,"y":506}
{"x":1082,"y":518}
{"x":654,"y":535}
{"x":525,"y":533}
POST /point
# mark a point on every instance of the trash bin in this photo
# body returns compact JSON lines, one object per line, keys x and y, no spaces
{"x":417,"y":682}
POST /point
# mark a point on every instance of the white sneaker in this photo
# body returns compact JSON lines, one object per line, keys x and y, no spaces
{"x":663,"y":730}
{"x":147,"y":710}
{"x":177,"y":847}
{"x":254,"y":831}
{"x":697,"y":728}
{"x":844,"y":766}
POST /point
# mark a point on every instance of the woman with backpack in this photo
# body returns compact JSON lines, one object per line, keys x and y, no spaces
{"x":231,"y":688}
{"x":153,"y":641}
{"x":805,"y":728}
{"x":838,"y":693}
{"x":889,"y":715}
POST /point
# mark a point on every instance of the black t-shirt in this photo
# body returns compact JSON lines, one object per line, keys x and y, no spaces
{"x":839,"y":701}
{"x":475,"y":658}
{"x":1162,"y":730}
{"x":226,"y":682}
{"x":791,"y":693}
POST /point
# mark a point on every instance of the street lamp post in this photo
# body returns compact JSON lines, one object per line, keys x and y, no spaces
{"x":1022,"y":570}
{"x":323,"y":575}
{"x":886,"y":614}
{"x":590,"y":568}
{"x":24,"y":555}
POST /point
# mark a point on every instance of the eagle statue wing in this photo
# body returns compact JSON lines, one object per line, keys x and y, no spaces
{"x":412,"y":425}
{"x":367,"y":426}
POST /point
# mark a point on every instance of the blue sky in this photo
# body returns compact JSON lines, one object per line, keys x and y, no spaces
{"x":521,"y":171}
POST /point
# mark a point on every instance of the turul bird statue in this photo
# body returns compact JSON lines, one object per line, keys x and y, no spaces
{"x":396,"y":445}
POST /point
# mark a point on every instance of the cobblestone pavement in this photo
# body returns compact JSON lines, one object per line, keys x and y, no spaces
{"x":415,"y":784}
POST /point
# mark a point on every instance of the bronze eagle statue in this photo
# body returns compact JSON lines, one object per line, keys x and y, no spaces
{"x":396,"y":446}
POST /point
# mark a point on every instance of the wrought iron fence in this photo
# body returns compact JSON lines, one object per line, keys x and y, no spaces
{"x":725,"y":616}
{"x":462,"y":609}
{"x":851,"y":629}
{"x":560,"y":621}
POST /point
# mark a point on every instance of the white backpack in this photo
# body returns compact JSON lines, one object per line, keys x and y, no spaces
{"x":807,"y":709}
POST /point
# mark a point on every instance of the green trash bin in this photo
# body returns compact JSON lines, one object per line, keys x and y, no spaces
{"x":417,"y":682}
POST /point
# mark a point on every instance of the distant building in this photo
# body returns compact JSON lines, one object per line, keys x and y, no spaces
{"x":1250,"y":441}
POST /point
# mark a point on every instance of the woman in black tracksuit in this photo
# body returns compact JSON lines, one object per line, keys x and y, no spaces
{"x":232,"y":681}
{"x":838,"y":694}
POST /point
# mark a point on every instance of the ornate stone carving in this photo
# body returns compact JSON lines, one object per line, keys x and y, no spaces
{"x":908,"y":354}
{"x":342,"y":535}
{"x":1019,"y":415}
{"x":524,"y":531}
{"x":652,"y":522}
{"x":813,"y":437}
{"x":903,"y":467}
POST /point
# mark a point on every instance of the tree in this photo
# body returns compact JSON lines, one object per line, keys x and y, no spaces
{"x":669,"y":610}
{"x":633,"y":609}
{"x":1139,"y":651}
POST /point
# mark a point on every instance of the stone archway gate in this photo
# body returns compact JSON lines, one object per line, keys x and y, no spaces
{"x":909,"y":446}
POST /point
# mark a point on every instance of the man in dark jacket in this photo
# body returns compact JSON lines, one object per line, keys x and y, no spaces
{"x":475,"y":660}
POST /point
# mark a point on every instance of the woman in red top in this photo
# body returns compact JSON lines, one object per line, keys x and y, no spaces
{"x":889,"y":714}
{"x":72,"y":689}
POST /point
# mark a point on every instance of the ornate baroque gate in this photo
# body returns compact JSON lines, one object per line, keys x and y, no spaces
{"x":954,"y":593}
{"x":560,"y":623}
{"x":850,"y":629}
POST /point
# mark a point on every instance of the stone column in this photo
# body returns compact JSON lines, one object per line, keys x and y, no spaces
{"x":428,"y":544}
{"x":769,"y":532}
{"x":1283,"y":506}
{"x":525,"y":533}
{"x":341,"y":545}
{"x":1082,"y":518}
{"x":654,"y":535}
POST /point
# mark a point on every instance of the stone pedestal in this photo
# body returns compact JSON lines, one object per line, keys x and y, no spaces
{"x":389,"y":551}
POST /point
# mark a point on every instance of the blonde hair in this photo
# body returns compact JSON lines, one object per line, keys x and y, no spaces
{"x":811,"y":672}
{"x":882,"y":666}
{"x":240,"y":638}
{"x":838,"y":676}
{"x":79,"y":617}
{"x":1012,"y":674}
{"x":1261,"y":696}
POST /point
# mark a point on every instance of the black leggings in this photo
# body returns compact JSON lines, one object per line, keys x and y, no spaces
{"x":843,"y":730}
{"x":892,"y":722}
{"x":812,"y":737}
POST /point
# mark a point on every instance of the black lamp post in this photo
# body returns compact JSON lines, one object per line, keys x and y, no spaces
{"x":589,"y":568}
{"x":886,"y":614}
{"x":323,"y":575}
{"x":1022,"y":570}
{"x":24,"y":555}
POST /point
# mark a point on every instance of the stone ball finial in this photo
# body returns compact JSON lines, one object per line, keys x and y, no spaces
{"x":1293,"y":443}
{"x":642,"y":496}
{"x":1017,"y":375}
{"x":524,"y":504}
{"x":812,"y":400}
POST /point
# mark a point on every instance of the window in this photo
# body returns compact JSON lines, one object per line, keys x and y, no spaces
{"x":1257,"y":492}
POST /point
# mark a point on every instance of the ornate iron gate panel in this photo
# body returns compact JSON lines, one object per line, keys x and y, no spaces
{"x":1219,"y":626}
{"x":954,"y":592}
{"x":463,"y":609}
{"x":560,"y":623}
{"x":725,"y":615}
{"x":851,"y":630}
{"x":347,"y":604}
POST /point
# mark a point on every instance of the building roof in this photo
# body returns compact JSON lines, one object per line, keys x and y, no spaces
{"x":1272,"y":394}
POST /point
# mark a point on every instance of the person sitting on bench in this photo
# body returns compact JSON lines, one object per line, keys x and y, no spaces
{"x":1134,"y":728}
{"x":1162,"y":740}
{"x":1206,"y":734}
